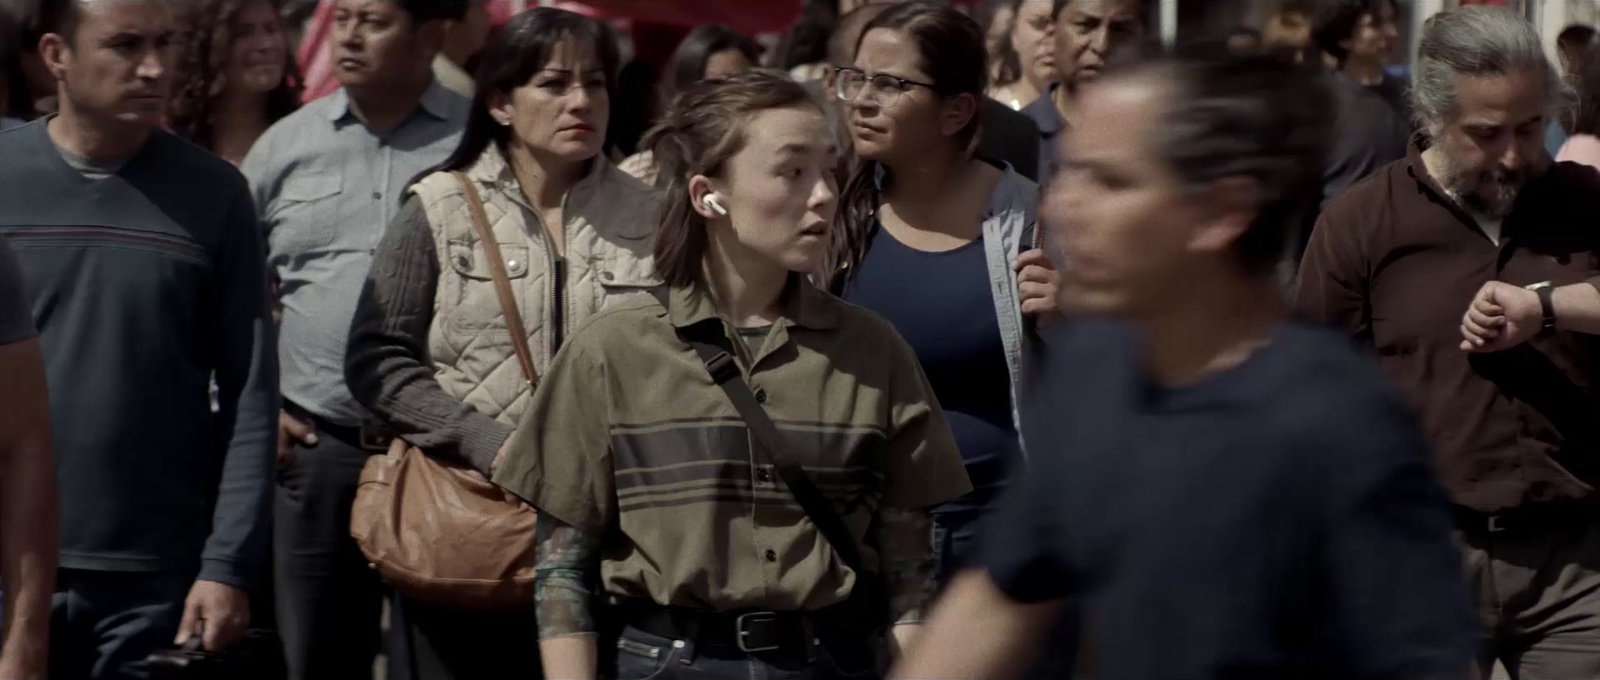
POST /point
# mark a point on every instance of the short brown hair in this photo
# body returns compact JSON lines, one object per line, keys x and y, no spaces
{"x":702,"y":128}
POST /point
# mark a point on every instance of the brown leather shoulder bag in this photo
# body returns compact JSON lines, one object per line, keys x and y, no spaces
{"x":438,"y":531}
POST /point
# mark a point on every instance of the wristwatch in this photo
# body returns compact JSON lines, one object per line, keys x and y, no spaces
{"x":1547,"y":306}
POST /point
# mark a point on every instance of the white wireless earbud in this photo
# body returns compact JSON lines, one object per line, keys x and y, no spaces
{"x":714,"y":202}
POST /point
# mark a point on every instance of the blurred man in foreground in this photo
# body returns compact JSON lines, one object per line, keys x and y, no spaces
{"x":1227,"y":493}
{"x":1471,"y":269}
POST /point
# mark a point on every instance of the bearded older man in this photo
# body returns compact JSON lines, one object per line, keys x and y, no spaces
{"x":1472,"y":269}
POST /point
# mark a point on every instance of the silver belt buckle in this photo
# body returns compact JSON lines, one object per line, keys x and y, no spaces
{"x":1494,"y":524}
{"x":755,"y":617}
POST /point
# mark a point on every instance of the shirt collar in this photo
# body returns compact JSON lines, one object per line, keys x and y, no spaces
{"x":804,"y":305}
{"x":435,"y":101}
{"x":1044,"y":113}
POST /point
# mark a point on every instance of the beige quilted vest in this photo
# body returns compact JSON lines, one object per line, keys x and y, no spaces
{"x":609,"y":221}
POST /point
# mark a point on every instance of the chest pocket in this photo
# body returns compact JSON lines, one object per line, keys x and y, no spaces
{"x":477,"y":306}
{"x":306,"y":217}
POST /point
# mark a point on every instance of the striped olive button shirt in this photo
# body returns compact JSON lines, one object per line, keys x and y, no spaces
{"x":630,"y":439}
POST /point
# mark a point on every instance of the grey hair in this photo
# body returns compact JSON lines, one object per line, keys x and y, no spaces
{"x":1476,"y":40}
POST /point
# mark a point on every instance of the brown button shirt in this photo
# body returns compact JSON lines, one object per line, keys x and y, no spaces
{"x":1396,"y":262}
{"x":629,"y":437}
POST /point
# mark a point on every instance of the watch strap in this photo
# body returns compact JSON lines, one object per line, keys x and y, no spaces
{"x":1547,"y":307}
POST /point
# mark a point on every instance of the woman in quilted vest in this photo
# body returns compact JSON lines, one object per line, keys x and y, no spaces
{"x":431,"y":352}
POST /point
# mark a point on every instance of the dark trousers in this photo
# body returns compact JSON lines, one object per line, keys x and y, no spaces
{"x":642,"y":656}
{"x":453,"y":644}
{"x":1538,"y":593}
{"x":329,"y":601}
{"x":955,"y":543}
{"x":103,"y":625}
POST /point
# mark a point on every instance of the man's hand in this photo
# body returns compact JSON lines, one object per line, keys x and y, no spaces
{"x":222,"y":611}
{"x":1038,"y":282}
{"x":1501,"y":316}
{"x":290,"y":433}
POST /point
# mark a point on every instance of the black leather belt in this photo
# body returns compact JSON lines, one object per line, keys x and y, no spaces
{"x":750,"y":632}
{"x":1525,"y":519}
{"x":365,"y":437}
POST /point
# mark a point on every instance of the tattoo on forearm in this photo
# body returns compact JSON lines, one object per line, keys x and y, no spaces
{"x":905,"y":542}
{"x":566,"y":557}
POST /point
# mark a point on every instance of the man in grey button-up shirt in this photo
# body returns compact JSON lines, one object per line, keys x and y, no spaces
{"x":327,"y":180}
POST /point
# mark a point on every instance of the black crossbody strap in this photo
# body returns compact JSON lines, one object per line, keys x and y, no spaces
{"x":725,"y":372}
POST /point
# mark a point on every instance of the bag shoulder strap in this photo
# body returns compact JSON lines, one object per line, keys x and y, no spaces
{"x":502,"y":281}
{"x":713,"y":351}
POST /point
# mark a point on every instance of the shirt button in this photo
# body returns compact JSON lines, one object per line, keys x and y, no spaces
{"x":511,"y":264}
{"x":377,"y":196}
{"x":772,"y":556}
{"x":761,"y":395}
{"x":762,"y":475}
{"x":607,"y":276}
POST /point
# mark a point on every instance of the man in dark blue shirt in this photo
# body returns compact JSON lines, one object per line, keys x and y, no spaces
{"x":1226,"y":493}
{"x":1087,"y":33}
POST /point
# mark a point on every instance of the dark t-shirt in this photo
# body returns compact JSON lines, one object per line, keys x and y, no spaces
{"x":16,"y":320}
{"x":1279,"y":519}
{"x":1373,"y":124}
{"x":942,"y":305}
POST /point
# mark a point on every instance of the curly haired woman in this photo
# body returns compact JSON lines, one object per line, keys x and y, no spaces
{"x":239,"y":77}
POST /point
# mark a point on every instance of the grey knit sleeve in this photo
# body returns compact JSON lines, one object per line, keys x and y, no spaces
{"x":386,"y":362}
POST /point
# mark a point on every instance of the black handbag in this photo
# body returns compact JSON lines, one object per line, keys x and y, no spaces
{"x":258,"y":657}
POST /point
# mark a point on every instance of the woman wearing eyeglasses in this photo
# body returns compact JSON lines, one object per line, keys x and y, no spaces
{"x":940,"y":241}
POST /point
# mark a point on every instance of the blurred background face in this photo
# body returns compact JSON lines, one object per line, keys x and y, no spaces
{"x":887,"y":120}
{"x":726,"y":63}
{"x":375,"y":43}
{"x":1495,"y":143}
{"x":999,"y":30}
{"x":467,"y":37}
{"x":1033,"y":37}
{"x":1115,"y":210}
{"x":1087,"y":33}
{"x":563,"y":110}
{"x":780,"y":190}
{"x":1374,"y":36}
{"x":121,"y":63}
{"x":260,"y":49}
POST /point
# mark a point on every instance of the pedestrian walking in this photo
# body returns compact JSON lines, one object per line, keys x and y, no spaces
{"x":941,"y":242}
{"x":239,"y":77}
{"x":1087,"y":34}
{"x":1227,"y":493}
{"x":430,"y":350}
{"x":147,"y":276}
{"x":735,"y":470}
{"x":1373,"y":121}
{"x":1470,"y":268}
{"x":327,"y":179}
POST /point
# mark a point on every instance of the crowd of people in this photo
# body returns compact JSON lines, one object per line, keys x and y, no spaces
{"x":953,"y":347}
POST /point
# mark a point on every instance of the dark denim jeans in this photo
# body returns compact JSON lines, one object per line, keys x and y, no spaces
{"x":103,"y":625}
{"x":642,"y":656}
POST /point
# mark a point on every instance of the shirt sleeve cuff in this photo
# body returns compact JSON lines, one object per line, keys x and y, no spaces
{"x":224,"y":572}
{"x":481,"y":439}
